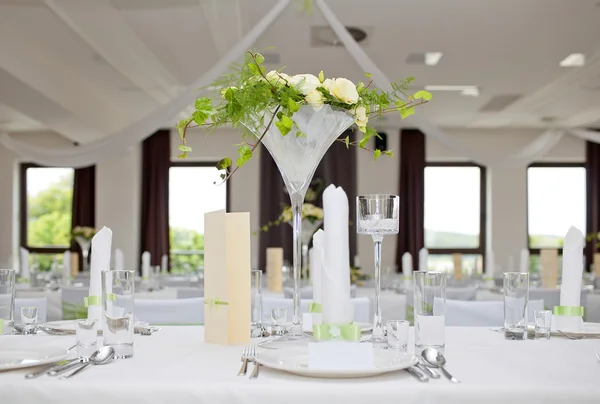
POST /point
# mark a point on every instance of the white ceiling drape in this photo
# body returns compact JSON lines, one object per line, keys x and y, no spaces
{"x":112,"y":145}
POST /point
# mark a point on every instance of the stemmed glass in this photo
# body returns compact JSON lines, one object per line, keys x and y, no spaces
{"x":377,"y":215}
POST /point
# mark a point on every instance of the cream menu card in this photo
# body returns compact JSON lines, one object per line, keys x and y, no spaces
{"x":227,"y":278}
{"x":274,"y":269}
{"x":549,"y":264}
{"x":597,"y":264}
{"x":458,"y":271}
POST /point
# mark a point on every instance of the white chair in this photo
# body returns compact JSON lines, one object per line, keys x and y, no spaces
{"x":170,"y":312}
{"x":72,"y":302}
{"x":41,"y":303}
{"x":362,"y":308}
{"x":482,"y":314}
{"x":189,"y":292}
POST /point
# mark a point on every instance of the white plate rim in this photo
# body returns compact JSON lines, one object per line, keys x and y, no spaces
{"x":364,"y":327}
{"x":584,"y":332}
{"x":331,"y":374}
{"x":51,"y":359}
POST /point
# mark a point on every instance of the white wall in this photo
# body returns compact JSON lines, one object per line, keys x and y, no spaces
{"x":119,"y":186}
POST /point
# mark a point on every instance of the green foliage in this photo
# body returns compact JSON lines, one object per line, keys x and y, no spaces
{"x":185,"y":240}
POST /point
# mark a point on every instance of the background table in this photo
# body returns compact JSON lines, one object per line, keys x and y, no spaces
{"x":175,"y":366}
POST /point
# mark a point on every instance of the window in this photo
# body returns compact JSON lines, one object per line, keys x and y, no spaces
{"x":455,"y":214}
{"x":193,"y":190}
{"x":46,"y":207}
{"x":556,"y":200}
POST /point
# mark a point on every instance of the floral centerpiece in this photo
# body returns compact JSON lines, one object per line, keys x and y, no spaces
{"x":83,"y":236}
{"x":297,"y":118}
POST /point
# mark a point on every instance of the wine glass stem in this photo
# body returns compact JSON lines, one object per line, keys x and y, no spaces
{"x":297,"y":201}
{"x":84,"y":253}
{"x":377,"y":323}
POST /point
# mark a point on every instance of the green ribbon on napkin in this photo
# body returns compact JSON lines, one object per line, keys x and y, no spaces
{"x":568,"y":311}
{"x":347,"y":332}
{"x":216,"y":302}
{"x":22,"y":280}
{"x":92,"y":301}
{"x":315,"y":308}
{"x":145,"y":278}
{"x":111,"y":297}
{"x":1,"y":326}
{"x":406,"y":277}
{"x":488,"y":278}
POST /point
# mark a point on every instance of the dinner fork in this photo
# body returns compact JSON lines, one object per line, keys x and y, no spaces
{"x":576,"y":337}
{"x":245,"y":359}
{"x":254,"y":374}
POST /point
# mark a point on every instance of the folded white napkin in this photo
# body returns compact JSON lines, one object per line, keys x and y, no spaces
{"x":66,"y":266}
{"x":572,"y":268}
{"x":423,"y":257}
{"x":316,"y":256}
{"x":337,"y":306}
{"x":164,"y":264}
{"x":119,"y":260}
{"x":489,"y":264}
{"x":146,"y":265}
{"x":407,"y":264}
{"x":101,"y":248}
{"x":24,"y":262}
{"x":524,"y":263}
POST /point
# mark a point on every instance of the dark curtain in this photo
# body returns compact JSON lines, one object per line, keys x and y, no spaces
{"x":156,"y":160}
{"x":412,"y":195}
{"x":338,"y":167}
{"x":84,"y":202}
{"x":592,"y":172}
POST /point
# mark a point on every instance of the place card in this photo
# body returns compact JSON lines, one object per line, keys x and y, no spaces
{"x":227,"y":278}
{"x":549,"y":264}
{"x":340,"y":355}
{"x":274,"y":269}
{"x":458,"y":271}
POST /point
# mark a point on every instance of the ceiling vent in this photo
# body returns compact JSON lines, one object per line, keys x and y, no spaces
{"x":500,"y":102}
{"x":323,"y":36}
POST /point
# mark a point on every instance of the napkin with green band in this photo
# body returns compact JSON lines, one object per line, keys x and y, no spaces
{"x":524,"y":261}
{"x":407,"y":270}
{"x":100,"y":261}
{"x":119,"y":260}
{"x":145,"y":265}
{"x":164,"y":264}
{"x":66,"y":266}
{"x":24,"y":263}
{"x":567,"y":315}
{"x":488,"y":274}
{"x":423,"y":257}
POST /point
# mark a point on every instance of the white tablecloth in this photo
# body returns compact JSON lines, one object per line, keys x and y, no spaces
{"x":175,"y":366}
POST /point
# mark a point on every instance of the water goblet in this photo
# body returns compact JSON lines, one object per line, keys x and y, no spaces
{"x":377,"y":215}
{"x":29,"y":317}
{"x":278,"y":317}
{"x":543,"y":323}
{"x":86,"y":334}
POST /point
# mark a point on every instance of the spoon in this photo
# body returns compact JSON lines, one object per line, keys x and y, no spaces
{"x":435,"y":359}
{"x":100,"y":357}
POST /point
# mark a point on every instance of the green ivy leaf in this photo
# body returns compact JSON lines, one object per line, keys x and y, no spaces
{"x":347,"y":141}
{"x":223,"y":176}
{"x":406,"y":112}
{"x":182,"y":156}
{"x":284,"y":125}
{"x":259,"y":58}
{"x":184,"y":148}
{"x":253,"y":68}
{"x":363,"y":141}
{"x":245,"y":155}
{"x":181,"y":125}
{"x":376,"y":154}
{"x":388,"y":153}
{"x":369,"y":75}
{"x":321,"y":76}
{"x":293,"y":106}
{"x":223,"y":164}
{"x":424,"y":95}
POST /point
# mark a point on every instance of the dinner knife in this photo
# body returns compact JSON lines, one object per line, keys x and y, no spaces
{"x":51,"y":368}
{"x":65,"y":368}
{"x":417,"y":374}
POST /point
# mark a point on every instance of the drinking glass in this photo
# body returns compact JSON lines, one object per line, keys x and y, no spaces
{"x":278,"y":317}
{"x":87,"y":337}
{"x":7,"y":300}
{"x":543,"y":323}
{"x":155,"y":277}
{"x":516,"y":298}
{"x":397,"y":334}
{"x":118,"y":300}
{"x":29,"y":317}
{"x":377,"y":215}
{"x":429,"y":289}
{"x":256,"y":327}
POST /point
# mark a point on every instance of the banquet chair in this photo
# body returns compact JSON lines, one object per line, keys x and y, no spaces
{"x":361,"y":305}
{"x":189,"y":292}
{"x":72,"y":302}
{"x":171,"y":311}
{"x":41,"y":303}
{"x":482,"y":314}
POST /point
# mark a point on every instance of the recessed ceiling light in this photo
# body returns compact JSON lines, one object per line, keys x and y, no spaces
{"x":432,"y":58}
{"x":573,"y":60}
{"x":469,"y":91}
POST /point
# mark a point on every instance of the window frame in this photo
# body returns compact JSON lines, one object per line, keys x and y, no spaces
{"x":548,"y":164}
{"x":482,"y":212}
{"x":23,"y":216}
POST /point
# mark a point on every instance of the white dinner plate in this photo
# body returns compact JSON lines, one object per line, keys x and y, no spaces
{"x":294,"y":360}
{"x":24,"y":357}
{"x":364,"y":327}
{"x":589,"y":329}
{"x":62,"y":325}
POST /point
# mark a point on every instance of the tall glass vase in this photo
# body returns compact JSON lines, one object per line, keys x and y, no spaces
{"x":85,"y":245}
{"x":297,"y":155}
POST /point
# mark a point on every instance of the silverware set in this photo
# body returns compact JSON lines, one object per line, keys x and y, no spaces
{"x":100,"y":357}
{"x":429,"y":360}
{"x":249,"y":355}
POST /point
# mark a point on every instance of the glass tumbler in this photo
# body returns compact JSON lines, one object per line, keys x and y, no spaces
{"x":543,"y":323}
{"x":278,"y":318}
{"x":29,"y":318}
{"x":397,"y":334}
{"x":87,"y":337}
{"x":256,"y":327}
{"x":118,"y":300}
{"x":429,"y":289}
{"x":7,"y":300}
{"x":516,"y":298}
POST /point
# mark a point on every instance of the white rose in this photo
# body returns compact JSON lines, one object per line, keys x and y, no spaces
{"x":276,"y":78}
{"x":315,"y":99}
{"x":328,"y":85}
{"x":361,"y":118}
{"x":345,"y":91}
{"x":305,"y":83}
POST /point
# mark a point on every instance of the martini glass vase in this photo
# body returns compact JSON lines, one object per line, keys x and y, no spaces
{"x":297,"y":155}
{"x":84,"y":244}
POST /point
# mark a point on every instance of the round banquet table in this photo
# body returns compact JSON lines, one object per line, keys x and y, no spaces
{"x":175,"y":366}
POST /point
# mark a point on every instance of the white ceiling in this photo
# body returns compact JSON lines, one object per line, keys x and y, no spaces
{"x":86,"y":68}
